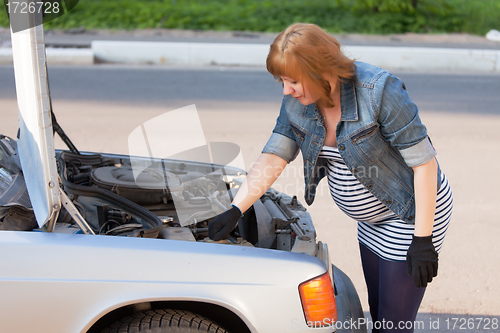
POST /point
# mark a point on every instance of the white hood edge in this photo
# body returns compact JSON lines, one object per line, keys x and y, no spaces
{"x":36,"y":139}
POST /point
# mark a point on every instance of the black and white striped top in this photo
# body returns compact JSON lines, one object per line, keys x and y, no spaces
{"x":379,"y":228}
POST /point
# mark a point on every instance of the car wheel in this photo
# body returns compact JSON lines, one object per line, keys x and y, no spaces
{"x":164,"y":321}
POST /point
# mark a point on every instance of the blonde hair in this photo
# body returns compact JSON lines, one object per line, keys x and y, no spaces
{"x":306,"y":53}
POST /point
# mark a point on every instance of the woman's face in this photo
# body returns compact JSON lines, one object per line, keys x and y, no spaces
{"x":298,"y":91}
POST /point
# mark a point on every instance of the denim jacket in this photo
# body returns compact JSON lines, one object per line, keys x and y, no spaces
{"x":379,"y":136}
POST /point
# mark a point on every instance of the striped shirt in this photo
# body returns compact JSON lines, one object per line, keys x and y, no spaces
{"x":379,"y":228}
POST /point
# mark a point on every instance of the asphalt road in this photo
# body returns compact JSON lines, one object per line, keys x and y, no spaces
{"x":99,"y":106}
{"x":456,"y":93}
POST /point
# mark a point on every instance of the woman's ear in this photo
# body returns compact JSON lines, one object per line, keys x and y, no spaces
{"x":333,"y":81}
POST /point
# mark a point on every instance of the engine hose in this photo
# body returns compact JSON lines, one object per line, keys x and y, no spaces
{"x":96,"y":192}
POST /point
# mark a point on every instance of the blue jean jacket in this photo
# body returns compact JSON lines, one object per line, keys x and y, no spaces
{"x":379,"y":136}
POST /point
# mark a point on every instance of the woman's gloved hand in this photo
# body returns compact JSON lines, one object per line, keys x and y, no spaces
{"x":422,"y":260}
{"x":220,"y":227}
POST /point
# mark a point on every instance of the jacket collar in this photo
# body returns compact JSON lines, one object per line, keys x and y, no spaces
{"x":310,"y":111}
{"x":348,"y":104}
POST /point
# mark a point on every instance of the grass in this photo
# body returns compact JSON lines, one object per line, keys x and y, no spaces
{"x":336,"y":16}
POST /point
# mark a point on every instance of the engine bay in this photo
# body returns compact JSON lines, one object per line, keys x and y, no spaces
{"x":114,"y":201}
{"x":167,"y":199}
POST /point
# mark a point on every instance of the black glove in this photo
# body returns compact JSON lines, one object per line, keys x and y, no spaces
{"x":220,"y":227}
{"x":422,"y":260}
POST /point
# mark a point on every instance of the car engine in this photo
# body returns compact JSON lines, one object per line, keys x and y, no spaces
{"x":169,"y":199}
{"x":115,"y":202}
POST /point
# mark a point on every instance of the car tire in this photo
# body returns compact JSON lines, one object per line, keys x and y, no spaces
{"x":164,"y":321}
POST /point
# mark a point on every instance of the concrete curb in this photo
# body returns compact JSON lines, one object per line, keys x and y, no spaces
{"x":417,"y":58}
{"x":56,"y":56}
{"x":231,"y":54}
{"x":5,"y":56}
{"x":225,"y":54}
{"x":176,"y":53}
{"x":62,"y":56}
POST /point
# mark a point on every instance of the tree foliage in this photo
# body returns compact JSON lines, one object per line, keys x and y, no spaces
{"x":337,"y":16}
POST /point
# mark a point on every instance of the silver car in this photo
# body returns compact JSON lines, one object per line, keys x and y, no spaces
{"x":89,"y":244}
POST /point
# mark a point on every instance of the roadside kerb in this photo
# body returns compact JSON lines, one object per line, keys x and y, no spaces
{"x":254,"y":55}
{"x":56,"y":56}
{"x":176,"y":53}
{"x":5,"y":56}
{"x":230,"y":54}
{"x":417,"y":58}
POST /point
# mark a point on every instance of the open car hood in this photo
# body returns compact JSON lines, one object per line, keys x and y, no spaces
{"x":35,"y":136}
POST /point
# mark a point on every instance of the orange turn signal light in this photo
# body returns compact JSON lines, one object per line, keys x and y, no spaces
{"x":318,"y":301}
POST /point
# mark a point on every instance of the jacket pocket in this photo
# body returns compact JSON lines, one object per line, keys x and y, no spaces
{"x":370,"y":143}
{"x":364,"y":133}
